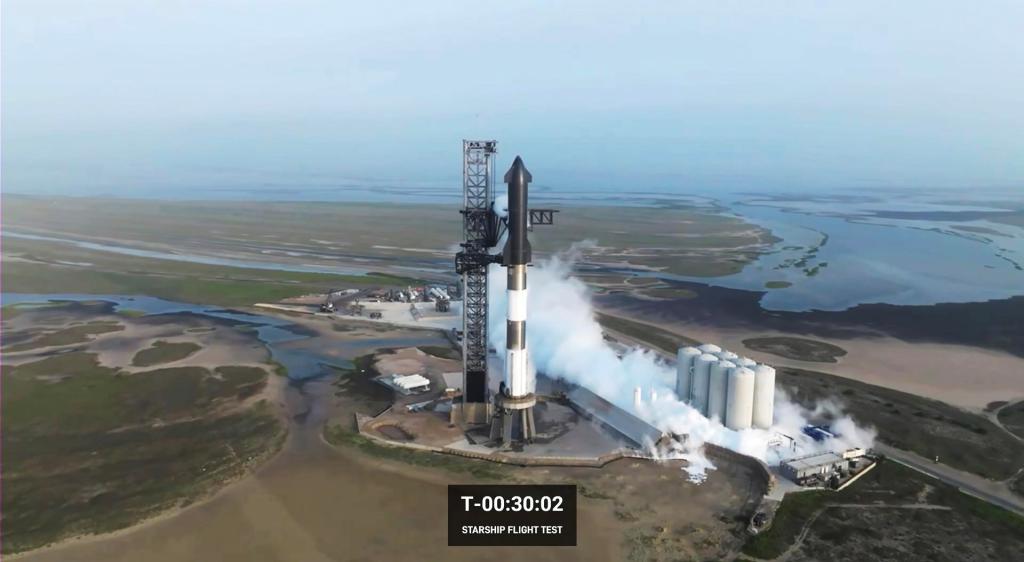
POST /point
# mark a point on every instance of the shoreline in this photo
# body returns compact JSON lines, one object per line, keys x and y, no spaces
{"x":295,"y":453}
{"x":930,"y":370}
{"x":175,"y":511}
{"x":991,"y":324}
{"x":142,"y":523}
{"x":261,"y":497}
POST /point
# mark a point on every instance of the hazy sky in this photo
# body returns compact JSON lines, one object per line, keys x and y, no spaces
{"x":132,"y":96}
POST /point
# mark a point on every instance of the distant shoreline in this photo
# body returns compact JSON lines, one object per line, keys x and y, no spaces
{"x":994,"y":324}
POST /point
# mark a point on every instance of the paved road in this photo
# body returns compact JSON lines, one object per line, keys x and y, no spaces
{"x":997,"y":493}
{"x":993,"y":416}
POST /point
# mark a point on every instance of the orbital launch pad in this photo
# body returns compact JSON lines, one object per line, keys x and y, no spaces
{"x":735,"y":391}
{"x":510,"y":411}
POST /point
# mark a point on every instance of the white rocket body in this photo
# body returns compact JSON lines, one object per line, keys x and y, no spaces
{"x":520,"y":379}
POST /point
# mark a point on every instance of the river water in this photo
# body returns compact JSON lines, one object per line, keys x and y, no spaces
{"x":867,"y":260}
{"x":273,"y":332}
{"x":839,"y":251}
{"x":283,"y":338}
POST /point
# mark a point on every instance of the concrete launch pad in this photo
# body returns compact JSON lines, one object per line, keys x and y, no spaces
{"x":561,"y":433}
{"x":565,"y":436}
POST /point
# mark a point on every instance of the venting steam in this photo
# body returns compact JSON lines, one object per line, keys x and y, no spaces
{"x":566,"y":342}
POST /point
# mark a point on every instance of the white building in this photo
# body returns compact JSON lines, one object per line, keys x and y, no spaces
{"x":854,"y":453}
{"x":820,"y":464}
{"x":411,"y":383}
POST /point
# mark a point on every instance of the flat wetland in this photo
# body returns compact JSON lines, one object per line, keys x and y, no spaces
{"x":924,"y":350}
{"x":180,"y":421}
{"x":892,"y":513}
{"x":371,"y":237}
{"x":801,"y":349}
{"x":153,"y":444}
{"x":92,"y":446}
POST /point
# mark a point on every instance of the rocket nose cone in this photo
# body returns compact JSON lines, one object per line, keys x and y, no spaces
{"x":518,"y":171}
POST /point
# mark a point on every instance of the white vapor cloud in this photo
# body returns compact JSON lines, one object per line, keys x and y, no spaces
{"x":566,"y":342}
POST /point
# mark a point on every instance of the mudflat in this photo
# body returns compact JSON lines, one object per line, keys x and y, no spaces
{"x":316,"y":501}
{"x":326,"y":506}
{"x":932,"y":370}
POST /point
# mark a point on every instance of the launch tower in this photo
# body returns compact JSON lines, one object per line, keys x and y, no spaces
{"x":512,"y":413}
{"x":480,"y":234}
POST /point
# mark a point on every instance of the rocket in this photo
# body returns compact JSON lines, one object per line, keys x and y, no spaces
{"x":516,"y":256}
{"x":513,"y":415}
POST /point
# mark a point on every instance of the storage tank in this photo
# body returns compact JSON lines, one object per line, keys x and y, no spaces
{"x":764,"y":396}
{"x":684,"y":371}
{"x":739,"y":407}
{"x":701,"y":380}
{"x":718,"y":389}
{"x":729,"y":356}
{"x":746,"y":362}
{"x":710,"y":348}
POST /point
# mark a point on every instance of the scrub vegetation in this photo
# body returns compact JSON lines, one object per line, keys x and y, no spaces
{"x":484,"y":470}
{"x":67,"y":336}
{"x":1012,"y":418}
{"x":90,"y":449}
{"x":713,"y":244}
{"x":667,"y":293}
{"x":891,"y":513}
{"x":927,"y":427}
{"x":45,"y":267}
{"x":667,"y":341}
{"x":164,"y":352}
{"x":441,"y":351}
{"x":358,"y":391}
{"x":801,"y":349}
